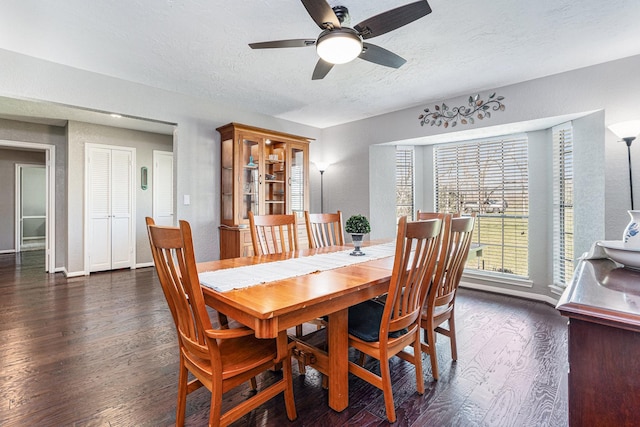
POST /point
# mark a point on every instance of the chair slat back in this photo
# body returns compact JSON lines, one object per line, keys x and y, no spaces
{"x":273,"y":234}
{"x":417,"y":247}
{"x":454,"y":252}
{"x":174,"y":258}
{"x":324,"y":229}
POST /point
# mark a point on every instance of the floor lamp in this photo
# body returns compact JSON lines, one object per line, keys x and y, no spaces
{"x":322,"y":166}
{"x":627,"y":131}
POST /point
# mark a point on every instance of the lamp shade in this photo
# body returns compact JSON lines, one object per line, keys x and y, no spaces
{"x":322,"y":166}
{"x":339,"y":46}
{"x":626,"y":129}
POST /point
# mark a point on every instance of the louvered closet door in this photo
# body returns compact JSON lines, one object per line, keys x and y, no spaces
{"x":121,"y":209}
{"x":109,"y":174}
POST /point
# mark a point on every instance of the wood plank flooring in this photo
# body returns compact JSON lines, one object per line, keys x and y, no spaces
{"x":102,"y":351}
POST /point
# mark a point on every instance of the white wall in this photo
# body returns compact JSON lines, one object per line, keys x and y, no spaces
{"x":382,"y":184}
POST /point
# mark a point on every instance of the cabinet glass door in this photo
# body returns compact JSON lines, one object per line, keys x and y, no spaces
{"x":297,"y":173}
{"x":275,"y":178}
{"x":227,"y":182}
{"x":249,"y":178}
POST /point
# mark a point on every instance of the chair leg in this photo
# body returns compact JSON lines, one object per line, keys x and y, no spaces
{"x":183,"y":378}
{"x":431,"y":339}
{"x":289,"y":401}
{"x":417,"y":361}
{"x":385,"y":374}
{"x":215,"y":411}
{"x":253,"y":384}
{"x":361,"y":358}
{"x":452,"y":337}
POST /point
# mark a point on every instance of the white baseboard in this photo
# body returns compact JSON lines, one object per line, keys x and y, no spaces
{"x":73,"y":273}
{"x":144,"y":264}
{"x":511,"y":292}
{"x":8,"y":251}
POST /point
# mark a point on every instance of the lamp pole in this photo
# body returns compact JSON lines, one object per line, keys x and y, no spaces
{"x":322,"y":192}
{"x":322,"y":166}
{"x":628,"y":141}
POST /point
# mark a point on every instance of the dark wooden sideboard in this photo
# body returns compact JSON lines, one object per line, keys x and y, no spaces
{"x":603,"y":306}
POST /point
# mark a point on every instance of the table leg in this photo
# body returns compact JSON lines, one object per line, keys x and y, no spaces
{"x":282,"y":344}
{"x":338,"y":340}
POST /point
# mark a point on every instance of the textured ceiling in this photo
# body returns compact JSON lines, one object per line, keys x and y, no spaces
{"x":199,"y":47}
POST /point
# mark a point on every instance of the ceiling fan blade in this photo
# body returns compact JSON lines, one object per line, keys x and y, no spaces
{"x":322,"y":69}
{"x":381,"y":56}
{"x":322,"y":13}
{"x":283,"y":43}
{"x":392,"y":19}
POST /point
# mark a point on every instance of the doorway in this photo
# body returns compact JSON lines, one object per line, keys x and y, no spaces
{"x":162,"y":188}
{"x":31,"y":207}
{"x":50,"y":201}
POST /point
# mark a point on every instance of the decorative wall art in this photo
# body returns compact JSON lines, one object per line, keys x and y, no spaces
{"x":444,"y":116}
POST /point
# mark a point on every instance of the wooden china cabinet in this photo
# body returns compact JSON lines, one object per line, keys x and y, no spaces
{"x":263,"y":171}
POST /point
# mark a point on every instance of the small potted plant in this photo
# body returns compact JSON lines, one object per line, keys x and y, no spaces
{"x":357,"y":226}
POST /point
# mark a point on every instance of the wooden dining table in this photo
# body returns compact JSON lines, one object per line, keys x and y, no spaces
{"x":272,"y":308}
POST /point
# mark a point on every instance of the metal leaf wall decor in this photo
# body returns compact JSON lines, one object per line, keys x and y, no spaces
{"x":478,"y":108}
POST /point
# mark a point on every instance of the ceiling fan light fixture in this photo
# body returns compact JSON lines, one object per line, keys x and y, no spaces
{"x":339,"y":46}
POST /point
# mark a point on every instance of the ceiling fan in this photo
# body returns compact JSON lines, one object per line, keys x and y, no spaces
{"x":339,"y":44}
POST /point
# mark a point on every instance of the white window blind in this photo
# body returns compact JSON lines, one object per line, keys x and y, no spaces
{"x":404,"y":182}
{"x":490,"y":178}
{"x":297,"y":182}
{"x":562,"y":204}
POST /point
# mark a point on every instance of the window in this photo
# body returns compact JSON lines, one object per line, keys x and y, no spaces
{"x":562,"y":204}
{"x":490,"y":178}
{"x":404,"y":182}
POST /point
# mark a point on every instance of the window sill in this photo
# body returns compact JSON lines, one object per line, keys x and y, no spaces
{"x":495,"y":278}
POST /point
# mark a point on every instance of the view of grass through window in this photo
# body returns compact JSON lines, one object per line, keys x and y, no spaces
{"x":489,"y":178}
{"x":404,"y":182}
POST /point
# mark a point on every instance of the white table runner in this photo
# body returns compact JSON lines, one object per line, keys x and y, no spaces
{"x":250,"y":275}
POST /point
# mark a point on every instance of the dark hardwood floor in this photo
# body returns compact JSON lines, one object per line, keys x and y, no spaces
{"x":102,"y":351}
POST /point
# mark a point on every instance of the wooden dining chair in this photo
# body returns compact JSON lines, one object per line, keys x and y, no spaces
{"x":440,"y":302}
{"x":383,"y":330}
{"x":324,"y":229}
{"x":219,"y":359}
{"x":273,"y":234}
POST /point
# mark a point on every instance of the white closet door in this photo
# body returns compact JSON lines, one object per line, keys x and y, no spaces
{"x":162,"y":187}
{"x":121,"y":238}
{"x":110,"y":206}
{"x":99,"y":194}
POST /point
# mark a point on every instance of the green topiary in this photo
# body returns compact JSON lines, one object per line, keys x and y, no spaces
{"x":358,"y":224}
